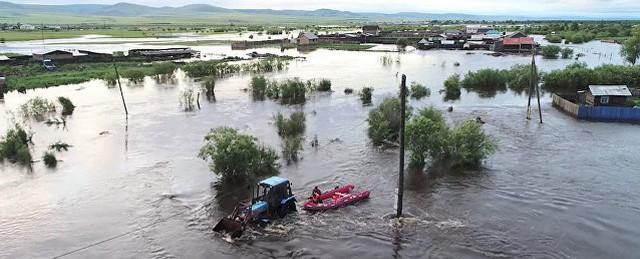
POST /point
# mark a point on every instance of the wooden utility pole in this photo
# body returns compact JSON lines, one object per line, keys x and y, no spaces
{"x":126,"y":112}
{"x":533,"y":86}
{"x":403,"y":101}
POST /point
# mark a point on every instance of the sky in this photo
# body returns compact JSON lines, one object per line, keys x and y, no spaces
{"x":487,"y":7}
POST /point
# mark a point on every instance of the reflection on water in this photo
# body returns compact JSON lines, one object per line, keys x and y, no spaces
{"x":562,"y":189}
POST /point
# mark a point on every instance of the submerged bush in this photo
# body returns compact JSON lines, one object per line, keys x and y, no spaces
{"x":324,"y":85}
{"x":578,"y":76}
{"x":365,"y":95}
{"x":402,"y":43}
{"x":37,"y":108}
{"x":49,"y":159}
{"x":292,"y":126}
{"x":292,"y":91}
{"x":258,"y":87}
{"x":348,"y":90}
{"x":452,"y":87}
{"x":67,"y":105}
{"x":14,"y":146}
{"x":290,"y":147}
{"x":59,"y":146}
{"x":429,"y":137}
{"x":384,"y":121}
{"x":418,"y":91}
{"x":566,"y":53}
{"x":550,"y":51}
{"x":237,"y":157}
{"x":487,"y":82}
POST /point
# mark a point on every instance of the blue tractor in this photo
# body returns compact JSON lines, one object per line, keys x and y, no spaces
{"x":271,"y":198}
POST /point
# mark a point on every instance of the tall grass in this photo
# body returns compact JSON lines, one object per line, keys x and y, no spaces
{"x":258,"y":87}
{"x":290,"y":148}
{"x":324,"y":85}
{"x":209,"y":86}
{"x":292,"y":126}
{"x":290,"y":91}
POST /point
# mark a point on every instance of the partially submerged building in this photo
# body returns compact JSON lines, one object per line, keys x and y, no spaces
{"x":605,"y":95}
{"x":307,"y":38}
{"x":163,"y":53}
{"x":371,"y":30}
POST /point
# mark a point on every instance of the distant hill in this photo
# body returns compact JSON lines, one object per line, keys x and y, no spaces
{"x":202,"y":12}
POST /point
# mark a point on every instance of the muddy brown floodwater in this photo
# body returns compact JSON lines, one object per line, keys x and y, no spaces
{"x":563,"y":189}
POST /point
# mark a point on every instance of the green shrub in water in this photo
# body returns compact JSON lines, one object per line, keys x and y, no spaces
{"x":384,"y":121}
{"x":49,"y":159}
{"x":237,"y":157}
{"x":348,"y":91}
{"x":67,"y":105}
{"x":14,"y":146}
{"x":419,"y":91}
{"x":37,"y":108}
{"x":292,"y":126}
{"x":290,"y":147}
{"x":365,"y":95}
{"x":59,"y":146}
{"x":452,"y":87}
{"x":258,"y":87}
{"x":324,"y":85}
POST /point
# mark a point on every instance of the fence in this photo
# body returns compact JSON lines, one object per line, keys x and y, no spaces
{"x":565,"y":105}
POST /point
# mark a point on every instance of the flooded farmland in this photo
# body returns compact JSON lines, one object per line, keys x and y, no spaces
{"x":563,"y":189}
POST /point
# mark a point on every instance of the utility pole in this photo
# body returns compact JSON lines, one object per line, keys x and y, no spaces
{"x":403,"y":101}
{"x":533,"y":85}
{"x":126,"y":112}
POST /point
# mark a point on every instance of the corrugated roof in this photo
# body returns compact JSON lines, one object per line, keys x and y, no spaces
{"x":309,"y":35}
{"x":518,"y":41}
{"x":609,"y":90}
{"x":423,"y":41}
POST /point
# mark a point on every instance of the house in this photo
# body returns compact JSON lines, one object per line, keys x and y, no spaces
{"x":27,"y":27}
{"x":371,"y":30}
{"x":307,"y":38}
{"x":607,"y":95}
{"x":493,"y":32}
{"x":53,"y":55}
{"x":477,"y":29}
{"x":518,"y":44}
{"x":96,"y":55}
{"x":453,"y":34}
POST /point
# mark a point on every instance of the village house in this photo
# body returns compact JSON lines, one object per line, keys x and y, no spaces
{"x":477,"y":29}
{"x":371,"y":30}
{"x":605,"y":95}
{"x":27,"y":27}
{"x":307,"y":38}
{"x":453,"y":34}
{"x":523,"y":44}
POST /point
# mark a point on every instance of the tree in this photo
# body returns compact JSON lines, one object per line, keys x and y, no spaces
{"x":631,"y":48}
{"x":427,"y":136}
{"x":384,"y":121}
{"x":402,"y":43}
{"x":550,"y":51}
{"x":237,"y":157}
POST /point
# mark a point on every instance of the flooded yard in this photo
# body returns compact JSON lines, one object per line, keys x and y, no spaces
{"x":562,"y":189}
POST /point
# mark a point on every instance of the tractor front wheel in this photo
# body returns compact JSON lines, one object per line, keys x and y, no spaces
{"x":286,"y":208}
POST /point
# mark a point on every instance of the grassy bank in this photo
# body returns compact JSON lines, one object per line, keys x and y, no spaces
{"x":34,"y":76}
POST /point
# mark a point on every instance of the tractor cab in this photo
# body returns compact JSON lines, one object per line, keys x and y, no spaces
{"x":270,"y":195}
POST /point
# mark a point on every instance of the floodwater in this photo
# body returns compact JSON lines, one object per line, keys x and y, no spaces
{"x":562,"y":189}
